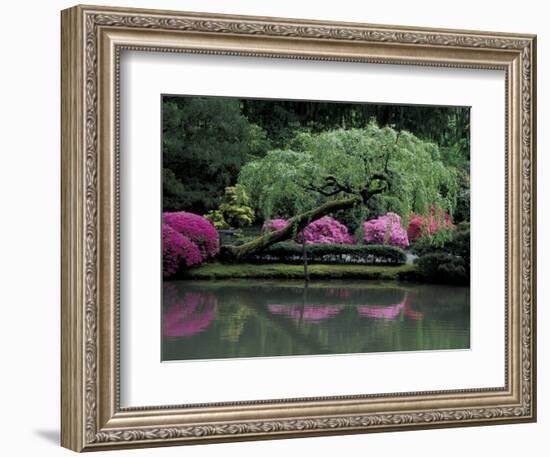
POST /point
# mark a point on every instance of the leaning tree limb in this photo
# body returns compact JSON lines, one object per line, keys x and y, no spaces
{"x":378,"y":184}
{"x":295,"y":225}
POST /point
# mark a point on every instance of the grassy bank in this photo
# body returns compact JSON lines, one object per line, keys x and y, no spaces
{"x":287,"y":271}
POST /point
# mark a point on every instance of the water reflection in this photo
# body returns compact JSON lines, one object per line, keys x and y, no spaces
{"x":188,"y":313}
{"x":257,"y":318}
{"x":393,"y":311}
{"x":309,"y":313}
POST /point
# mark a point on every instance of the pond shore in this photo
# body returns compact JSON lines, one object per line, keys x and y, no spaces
{"x":289,"y":271}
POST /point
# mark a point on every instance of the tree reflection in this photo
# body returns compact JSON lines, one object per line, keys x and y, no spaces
{"x":203,"y":320}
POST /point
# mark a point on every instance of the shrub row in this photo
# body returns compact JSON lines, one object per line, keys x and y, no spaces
{"x":288,"y":252}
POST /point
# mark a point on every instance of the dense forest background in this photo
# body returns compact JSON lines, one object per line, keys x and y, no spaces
{"x":207,"y":140}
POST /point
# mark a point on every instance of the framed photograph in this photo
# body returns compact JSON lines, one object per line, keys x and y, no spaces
{"x":275,"y":228}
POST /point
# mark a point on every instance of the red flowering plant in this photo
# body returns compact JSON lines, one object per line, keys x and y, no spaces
{"x":420,"y":226}
{"x":430,"y":232}
{"x":386,"y":229}
{"x":417,"y":226}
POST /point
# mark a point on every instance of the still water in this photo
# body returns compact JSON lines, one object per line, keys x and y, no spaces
{"x":254,"y":318}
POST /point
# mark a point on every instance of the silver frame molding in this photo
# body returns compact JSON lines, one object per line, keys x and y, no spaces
{"x":93,"y":39}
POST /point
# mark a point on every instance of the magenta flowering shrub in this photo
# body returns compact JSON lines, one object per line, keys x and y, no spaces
{"x":197,"y":229}
{"x":386,"y":229}
{"x":325,"y":230}
{"x":177,"y":250}
{"x":273,"y":225}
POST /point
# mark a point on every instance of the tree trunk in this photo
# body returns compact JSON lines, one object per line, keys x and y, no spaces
{"x":304,"y":256}
{"x":296,"y":224}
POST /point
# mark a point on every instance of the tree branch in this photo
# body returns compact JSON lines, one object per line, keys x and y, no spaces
{"x":330,"y":183}
{"x":295,"y":225}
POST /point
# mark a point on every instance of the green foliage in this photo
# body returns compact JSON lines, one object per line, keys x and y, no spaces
{"x":454,"y":137}
{"x":463,"y":226}
{"x":286,"y":182}
{"x":353,"y":219}
{"x":445,"y":268}
{"x":460,"y":244}
{"x":205,"y":142}
{"x":448,"y":262}
{"x":331,"y":253}
{"x":239,"y":236}
{"x":452,"y":241}
{"x":462,"y":212}
{"x":287,"y":271}
{"x":174,"y":192}
{"x":217,"y":219}
{"x":233,"y":211}
{"x":275,"y":183}
{"x":446,"y":126}
{"x":233,"y":321}
{"x":433,"y":243}
{"x":442,"y":237}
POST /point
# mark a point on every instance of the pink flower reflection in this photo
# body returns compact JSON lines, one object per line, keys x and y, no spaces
{"x":337,"y":292}
{"x":381,"y":312}
{"x":391,"y":312}
{"x":309,"y":313}
{"x":409,"y":312}
{"x":187,"y":314}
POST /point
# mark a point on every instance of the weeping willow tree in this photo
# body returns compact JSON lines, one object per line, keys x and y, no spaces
{"x":341,"y":169}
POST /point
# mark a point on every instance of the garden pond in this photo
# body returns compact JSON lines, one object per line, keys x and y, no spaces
{"x":259,"y":318}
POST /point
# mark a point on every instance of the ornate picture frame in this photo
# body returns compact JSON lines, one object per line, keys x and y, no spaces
{"x":93,"y":39}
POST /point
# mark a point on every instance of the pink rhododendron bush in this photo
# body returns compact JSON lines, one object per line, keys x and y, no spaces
{"x":428,"y":225}
{"x":386,"y":229}
{"x":325,"y":230}
{"x":177,"y":251}
{"x":274,"y":225}
{"x":197,"y":229}
{"x":187,"y":240}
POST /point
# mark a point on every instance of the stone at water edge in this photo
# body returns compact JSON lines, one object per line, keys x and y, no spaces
{"x":410,"y":258}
